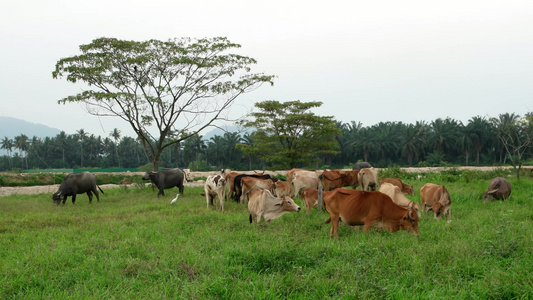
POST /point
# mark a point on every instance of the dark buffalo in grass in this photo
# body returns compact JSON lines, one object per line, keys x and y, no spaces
{"x":77,"y":183}
{"x":166,"y":179}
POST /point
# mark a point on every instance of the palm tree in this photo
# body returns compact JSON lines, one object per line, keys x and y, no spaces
{"x":444,"y":135}
{"x":215,"y":149}
{"x":466,"y":140}
{"x":115,"y":134}
{"x":61,"y":143}
{"x":412,"y":141}
{"x":480,"y":131}
{"x":81,"y":135}
{"x":7,"y":144}
{"x":21,"y":143}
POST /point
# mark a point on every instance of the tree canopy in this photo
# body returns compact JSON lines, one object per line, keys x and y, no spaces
{"x":288,"y":134}
{"x":167,"y":91}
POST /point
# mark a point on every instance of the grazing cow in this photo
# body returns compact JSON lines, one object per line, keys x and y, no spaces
{"x":310,"y":198}
{"x":237,"y":185}
{"x":263,"y":204}
{"x":499,"y":188}
{"x":405,"y":188}
{"x":368,"y":179}
{"x":371,"y":209}
{"x":397,"y":197}
{"x":338,"y":178}
{"x":437,"y":198}
{"x":166,"y":179}
{"x":303,"y":179}
{"x":282,"y":188}
{"x":359,"y":165}
{"x":215,"y":187}
{"x":248,"y":183}
{"x":77,"y":183}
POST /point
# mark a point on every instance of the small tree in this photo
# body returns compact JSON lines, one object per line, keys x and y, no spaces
{"x":288,"y":134}
{"x":166,"y":91}
{"x":516,"y":134}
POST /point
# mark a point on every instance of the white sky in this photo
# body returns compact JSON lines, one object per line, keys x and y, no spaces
{"x":367,"y":61}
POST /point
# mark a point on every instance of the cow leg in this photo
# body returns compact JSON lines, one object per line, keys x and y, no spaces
{"x":90,"y":196}
{"x":73,"y":198}
{"x":180,"y":187}
{"x":207,"y":199}
{"x":334,"y":231}
{"x":161,"y":192}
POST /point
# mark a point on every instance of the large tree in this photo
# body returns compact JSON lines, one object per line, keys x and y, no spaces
{"x":288,"y":134}
{"x":516,"y":134}
{"x":167,"y":91}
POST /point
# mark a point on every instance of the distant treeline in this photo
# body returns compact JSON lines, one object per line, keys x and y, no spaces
{"x":443,"y":141}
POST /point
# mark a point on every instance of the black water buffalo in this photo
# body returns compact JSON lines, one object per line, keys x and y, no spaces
{"x":77,"y":183}
{"x":360,"y":165}
{"x":499,"y":188}
{"x":166,"y":179}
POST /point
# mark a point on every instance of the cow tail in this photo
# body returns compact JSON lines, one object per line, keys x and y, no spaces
{"x":320,"y":192}
{"x":250,"y":218}
{"x":100,"y":189}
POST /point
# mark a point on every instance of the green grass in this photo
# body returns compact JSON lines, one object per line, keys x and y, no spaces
{"x":135,"y":245}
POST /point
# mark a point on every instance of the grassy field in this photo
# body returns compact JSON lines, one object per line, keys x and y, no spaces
{"x":133,"y":245}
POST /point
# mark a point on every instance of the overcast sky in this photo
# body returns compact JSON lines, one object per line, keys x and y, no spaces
{"x":367,"y":61}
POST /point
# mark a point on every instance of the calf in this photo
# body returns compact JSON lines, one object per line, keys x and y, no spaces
{"x":499,"y":188}
{"x":310,"y":198}
{"x":405,"y":188}
{"x":371,"y":209}
{"x":397,"y":197}
{"x":214,"y":187}
{"x":436,"y":198}
{"x":282,"y":188}
{"x":262,"y":204}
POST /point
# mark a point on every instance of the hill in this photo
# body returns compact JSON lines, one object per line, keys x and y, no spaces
{"x":12,"y":127}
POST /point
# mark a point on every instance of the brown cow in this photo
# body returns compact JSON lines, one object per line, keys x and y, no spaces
{"x":282,"y":188}
{"x":397,"y":197}
{"x":371,"y":209}
{"x":264,"y":205}
{"x":248,"y":183}
{"x":405,"y":188}
{"x":368,"y":179}
{"x":310,"y":198}
{"x":437,"y":198}
{"x":338,"y":178}
{"x":230,"y":181}
{"x":499,"y":188}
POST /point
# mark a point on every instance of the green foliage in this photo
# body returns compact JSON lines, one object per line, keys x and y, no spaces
{"x":156,"y":83}
{"x":394,"y":172}
{"x":136,"y":245}
{"x":199,"y":165}
{"x":288,"y":134}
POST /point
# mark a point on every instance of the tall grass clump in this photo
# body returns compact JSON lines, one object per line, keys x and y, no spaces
{"x":135,"y":245}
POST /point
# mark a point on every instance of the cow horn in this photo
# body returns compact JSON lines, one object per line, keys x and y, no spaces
{"x":492,"y":192}
{"x":411,"y":215}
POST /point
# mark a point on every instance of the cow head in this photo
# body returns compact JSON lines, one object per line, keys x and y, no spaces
{"x":149,"y":175}
{"x":219,"y":181}
{"x":409,"y":222}
{"x":287,"y":204}
{"x":489,"y":196}
{"x":410,"y":190}
{"x":57,"y":197}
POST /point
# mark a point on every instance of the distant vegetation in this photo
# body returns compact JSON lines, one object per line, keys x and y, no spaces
{"x":442,"y":142}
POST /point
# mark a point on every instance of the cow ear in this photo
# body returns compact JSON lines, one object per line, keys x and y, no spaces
{"x":279,"y":203}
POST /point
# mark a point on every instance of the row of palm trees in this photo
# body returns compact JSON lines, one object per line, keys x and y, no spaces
{"x":383,"y":144}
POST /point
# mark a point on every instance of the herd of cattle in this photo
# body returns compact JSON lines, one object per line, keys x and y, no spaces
{"x":379,"y":204}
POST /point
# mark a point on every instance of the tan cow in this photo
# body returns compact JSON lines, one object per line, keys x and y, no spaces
{"x":282,"y":188}
{"x":368,"y":179}
{"x":405,"y":188}
{"x":303,"y":180}
{"x":215,"y":187}
{"x":262,"y":204}
{"x":248,"y":183}
{"x":397,"y":197}
{"x":437,"y":198}
{"x":371,"y":209}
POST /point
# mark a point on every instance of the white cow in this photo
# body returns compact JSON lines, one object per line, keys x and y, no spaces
{"x":262,"y":204}
{"x":395,"y":193}
{"x":215,"y":187}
